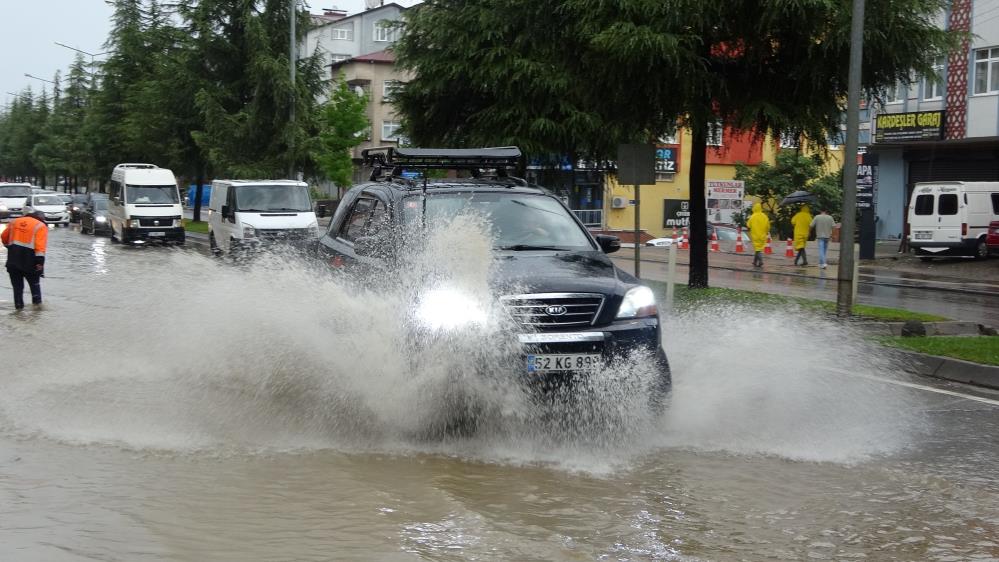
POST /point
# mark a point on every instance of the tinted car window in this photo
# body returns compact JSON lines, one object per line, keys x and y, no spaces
{"x":357,"y":223}
{"x":924,"y":205}
{"x":15,"y":191}
{"x":995,"y":203}
{"x":47,"y":200}
{"x":515,"y":219}
{"x":947,"y":205}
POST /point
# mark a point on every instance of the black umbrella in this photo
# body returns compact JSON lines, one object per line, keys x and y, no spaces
{"x":798,"y":197}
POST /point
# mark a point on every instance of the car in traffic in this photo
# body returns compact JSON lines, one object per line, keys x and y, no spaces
{"x":246,"y":215}
{"x":574,"y":309}
{"x":94,"y":217}
{"x":992,"y":238}
{"x":52,"y":205}
{"x":13,"y":198}
{"x":76,"y":204}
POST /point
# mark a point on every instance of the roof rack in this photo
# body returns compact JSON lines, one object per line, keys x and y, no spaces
{"x":474,"y":159}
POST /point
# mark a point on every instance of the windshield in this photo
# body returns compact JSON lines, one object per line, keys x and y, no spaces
{"x":79,"y":199}
{"x":46,"y":200}
{"x":262,"y":198}
{"x":152,"y":194}
{"x":101,"y":205}
{"x":518,"y":221}
{"x":15,"y":191}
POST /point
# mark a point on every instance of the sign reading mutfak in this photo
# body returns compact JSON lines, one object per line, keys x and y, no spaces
{"x":911,"y":126}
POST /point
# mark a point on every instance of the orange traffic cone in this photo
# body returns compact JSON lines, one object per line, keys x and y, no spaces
{"x":738,"y":242}
{"x":768,"y":249}
{"x":684,"y":242}
{"x":674,"y":232}
{"x":714,"y":241}
{"x":789,"y":253}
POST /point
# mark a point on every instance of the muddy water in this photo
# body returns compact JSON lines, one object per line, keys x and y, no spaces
{"x":162,"y":406}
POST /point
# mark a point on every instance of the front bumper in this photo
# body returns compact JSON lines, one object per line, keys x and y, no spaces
{"x":51,"y":218}
{"x":931,"y":248}
{"x":11,"y":214}
{"x":173,"y":235}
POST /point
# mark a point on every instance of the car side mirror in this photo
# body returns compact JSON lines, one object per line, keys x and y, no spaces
{"x":225,"y":211}
{"x":320,"y":211}
{"x":609,"y":244}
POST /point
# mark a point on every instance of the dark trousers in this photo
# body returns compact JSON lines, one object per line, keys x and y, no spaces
{"x":17,"y":279}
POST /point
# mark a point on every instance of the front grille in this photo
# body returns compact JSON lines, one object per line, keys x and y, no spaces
{"x":549,"y":311}
{"x":156,"y":221}
{"x":283,"y":233}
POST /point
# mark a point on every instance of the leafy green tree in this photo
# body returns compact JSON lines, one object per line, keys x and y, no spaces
{"x":523,"y":71}
{"x":342,"y":120}
{"x":792,"y":171}
{"x":23,"y":129}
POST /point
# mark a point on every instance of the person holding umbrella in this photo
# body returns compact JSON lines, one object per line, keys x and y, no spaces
{"x":802,"y":223}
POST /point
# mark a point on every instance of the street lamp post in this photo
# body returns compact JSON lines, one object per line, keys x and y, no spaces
{"x":81,"y":51}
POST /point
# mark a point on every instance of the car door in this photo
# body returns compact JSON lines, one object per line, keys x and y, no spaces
{"x":364,"y":214}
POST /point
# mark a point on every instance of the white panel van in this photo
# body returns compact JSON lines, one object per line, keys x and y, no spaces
{"x":245,"y":214}
{"x":952,"y":218}
{"x":13,"y":198}
{"x":144,"y":205}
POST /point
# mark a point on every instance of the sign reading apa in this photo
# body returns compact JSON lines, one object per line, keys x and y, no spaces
{"x":910,"y":126}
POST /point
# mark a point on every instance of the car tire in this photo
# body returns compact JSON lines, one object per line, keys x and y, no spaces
{"x":114,"y":238}
{"x":981,"y":250}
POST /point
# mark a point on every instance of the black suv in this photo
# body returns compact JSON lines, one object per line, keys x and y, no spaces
{"x":575,"y":309}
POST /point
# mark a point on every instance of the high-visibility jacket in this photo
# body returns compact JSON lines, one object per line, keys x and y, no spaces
{"x":802,"y":223}
{"x":25,"y":239}
{"x":759,"y":227}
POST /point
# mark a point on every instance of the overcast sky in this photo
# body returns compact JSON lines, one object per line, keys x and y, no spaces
{"x":31,"y":28}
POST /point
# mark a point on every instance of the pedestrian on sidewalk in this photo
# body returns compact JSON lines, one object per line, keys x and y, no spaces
{"x":759,"y":227}
{"x":802,"y":223}
{"x":25,"y":239}
{"x":823,"y":225}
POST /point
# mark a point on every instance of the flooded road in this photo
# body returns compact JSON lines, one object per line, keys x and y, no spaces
{"x":164,"y":406}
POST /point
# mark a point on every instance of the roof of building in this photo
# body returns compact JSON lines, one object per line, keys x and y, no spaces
{"x":385,"y":56}
{"x":352,"y":16}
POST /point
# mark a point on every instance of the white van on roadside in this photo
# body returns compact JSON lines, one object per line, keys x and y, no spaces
{"x":13,"y":198}
{"x":144,"y":205}
{"x":952,"y":217}
{"x":244,"y":214}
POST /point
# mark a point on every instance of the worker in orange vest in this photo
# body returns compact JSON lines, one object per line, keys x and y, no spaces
{"x":25,"y":239}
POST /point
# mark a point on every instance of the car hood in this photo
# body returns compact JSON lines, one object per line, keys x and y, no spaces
{"x":50,"y":208}
{"x":559,"y":272}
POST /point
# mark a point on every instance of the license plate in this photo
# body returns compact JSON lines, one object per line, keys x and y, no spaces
{"x":924,"y":236}
{"x":157,"y":233}
{"x":554,"y":363}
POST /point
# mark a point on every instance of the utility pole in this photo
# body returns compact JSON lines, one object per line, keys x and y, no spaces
{"x":292,"y":59}
{"x":845,"y":273}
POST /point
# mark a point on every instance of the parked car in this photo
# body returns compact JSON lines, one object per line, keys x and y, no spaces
{"x":723,"y":231}
{"x":577,"y":309}
{"x":53,"y":207}
{"x":76,"y":205}
{"x":94,"y":217}
{"x":992,"y":239}
{"x":950,"y":218}
{"x":13,"y":198}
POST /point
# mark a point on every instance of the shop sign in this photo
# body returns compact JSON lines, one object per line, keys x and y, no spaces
{"x":676,"y":213}
{"x":867,"y":181}
{"x":668,"y":159}
{"x":724,"y":200}
{"x":910,"y":126}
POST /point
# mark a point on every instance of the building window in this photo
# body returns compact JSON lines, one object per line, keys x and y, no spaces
{"x":715,"y":137}
{"x":384,"y":31}
{"x":338,"y":57}
{"x":834,"y":140}
{"x":864,"y":137}
{"x":933,"y":86}
{"x":789,"y":140}
{"x":987,"y":71}
{"x":389,"y":90}
{"x":344,"y":33}
{"x":896,"y":93}
{"x":390,"y":130}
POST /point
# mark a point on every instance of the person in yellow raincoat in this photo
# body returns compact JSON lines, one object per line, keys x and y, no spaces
{"x":759,"y":227}
{"x":802,"y":223}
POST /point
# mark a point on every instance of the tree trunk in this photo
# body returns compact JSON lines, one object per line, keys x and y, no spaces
{"x":698,"y":274}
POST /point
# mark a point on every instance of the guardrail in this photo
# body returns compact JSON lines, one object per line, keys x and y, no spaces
{"x":591,"y":218}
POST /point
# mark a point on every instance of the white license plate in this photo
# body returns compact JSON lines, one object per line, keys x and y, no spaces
{"x":157,"y":233}
{"x":555,"y":363}
{"x":924,"y":235}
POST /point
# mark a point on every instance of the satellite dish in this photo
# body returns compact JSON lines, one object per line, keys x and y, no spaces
{"x":372,"y":4}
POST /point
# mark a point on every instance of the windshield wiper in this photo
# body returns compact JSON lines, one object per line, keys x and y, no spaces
{"x":522,"y":247}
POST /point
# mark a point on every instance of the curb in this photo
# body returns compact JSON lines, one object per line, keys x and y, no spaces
{"x":945,"y":368}
{"x":948,"y":328}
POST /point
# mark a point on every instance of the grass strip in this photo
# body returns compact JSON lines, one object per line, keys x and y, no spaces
{"x":977,"y":349}
{"x":687,"y":299}
{"x":200,"y":226}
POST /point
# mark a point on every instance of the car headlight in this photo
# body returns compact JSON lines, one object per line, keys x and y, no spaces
{"x":313,"y":228}
{"x":445,"y":309}
{"x":639,"y":302}
{"x":4,"y":207}
{"x":177,"y":222}
{"x":101,"y":219}
{"x":75,"y":208}
{"x":134,"y":223}
{"x":249,"y":231}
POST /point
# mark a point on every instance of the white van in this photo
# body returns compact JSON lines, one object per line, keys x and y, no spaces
{"x":13,"y":198}
{"x":952,"y":217}
{"x":246,"y":213}
{"x":144,"y":205}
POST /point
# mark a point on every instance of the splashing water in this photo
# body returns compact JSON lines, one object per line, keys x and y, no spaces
{"x":179,"y":352}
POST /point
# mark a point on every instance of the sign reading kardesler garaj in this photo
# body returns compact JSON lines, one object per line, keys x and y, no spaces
{"x":910,"y":126}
